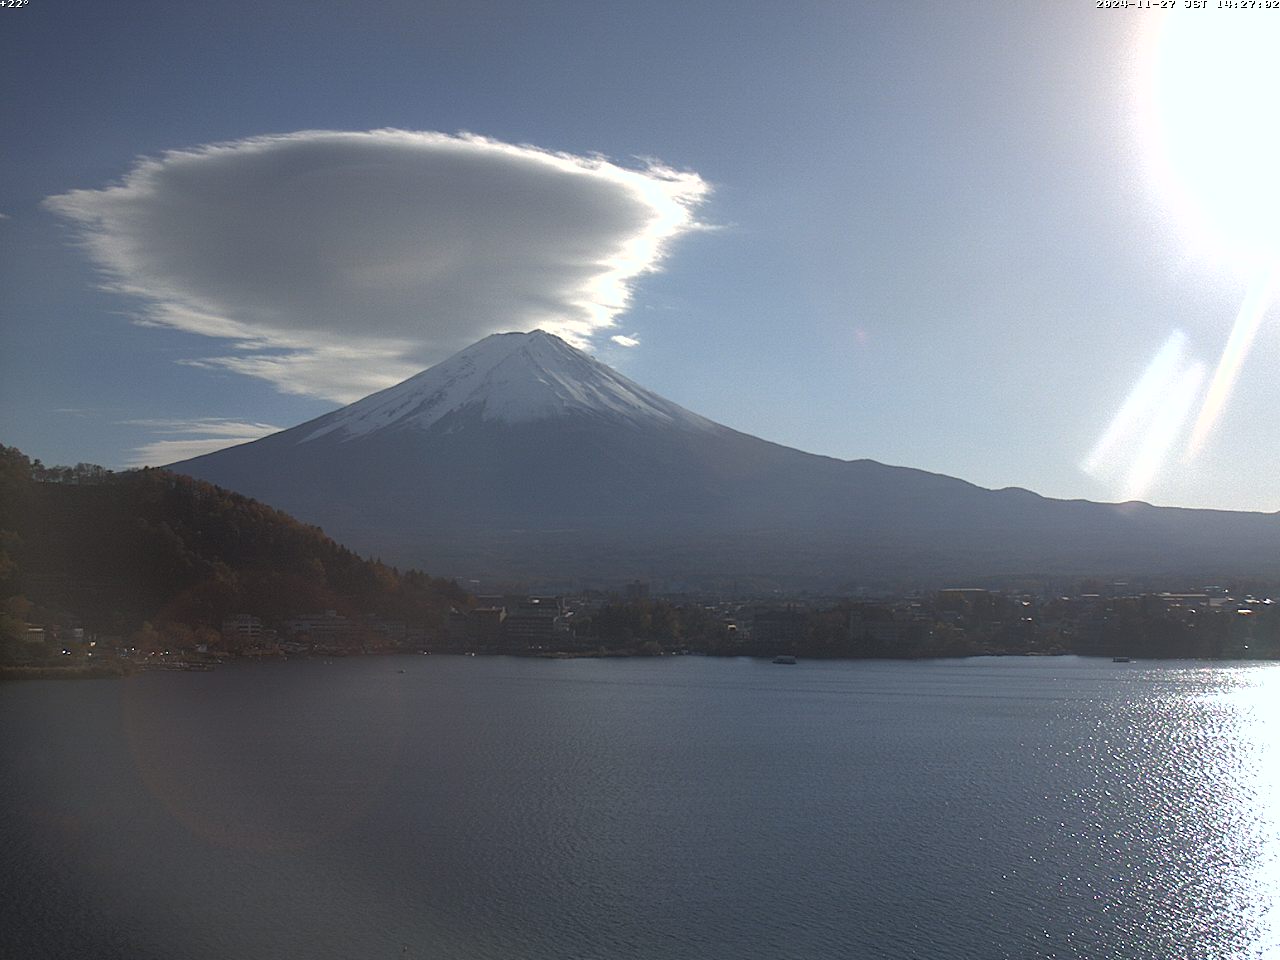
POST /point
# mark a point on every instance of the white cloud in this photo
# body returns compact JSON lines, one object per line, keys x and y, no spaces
{"x":337,"y":263}
{"x":192,"y":438}
{"x":625,"y":341}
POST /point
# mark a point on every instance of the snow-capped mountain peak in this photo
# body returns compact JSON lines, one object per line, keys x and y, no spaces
{"x":511,"y":378}
{"x":522,"y":458}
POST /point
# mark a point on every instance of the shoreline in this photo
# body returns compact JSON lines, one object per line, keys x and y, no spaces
{"x":122,"y":669}
{"x":95,"y":671}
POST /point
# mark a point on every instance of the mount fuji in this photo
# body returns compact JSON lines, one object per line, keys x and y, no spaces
{"x":523,"y":458}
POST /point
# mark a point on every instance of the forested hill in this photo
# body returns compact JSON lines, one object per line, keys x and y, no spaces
{"x":111,"y":551}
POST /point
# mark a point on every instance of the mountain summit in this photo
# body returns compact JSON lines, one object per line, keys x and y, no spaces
{"x":523,"y":458}
{"x":509,"y":378}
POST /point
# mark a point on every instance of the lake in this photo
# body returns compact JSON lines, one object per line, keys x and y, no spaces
{"x":674,"y":807}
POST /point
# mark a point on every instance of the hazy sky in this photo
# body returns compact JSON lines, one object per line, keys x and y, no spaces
{"x":1005,"y":241}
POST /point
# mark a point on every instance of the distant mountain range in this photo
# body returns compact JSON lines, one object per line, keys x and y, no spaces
{"x":523,"y":458}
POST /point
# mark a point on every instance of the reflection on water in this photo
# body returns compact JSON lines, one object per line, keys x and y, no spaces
{"x":1178,"y":804}
{"x":683,"y":807}
{"x":1255,"y":704}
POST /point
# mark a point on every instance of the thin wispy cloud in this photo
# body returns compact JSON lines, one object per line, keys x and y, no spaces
{"x":182,"y":439}
{"x":335,"y":263}
{"x":85,"y":412}
{"x":625,"y":341}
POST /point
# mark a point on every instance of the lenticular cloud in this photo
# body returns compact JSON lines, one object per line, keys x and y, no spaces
{"x":337,"y":263}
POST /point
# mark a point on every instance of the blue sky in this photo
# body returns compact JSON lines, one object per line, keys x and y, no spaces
{"x":938,"y":235}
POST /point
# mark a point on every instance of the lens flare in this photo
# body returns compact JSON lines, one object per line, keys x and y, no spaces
{"x":1208,"y":84}
{"x":1163,"y":432}
{"x":1243,"y":331}
{"x":1137,"y":442}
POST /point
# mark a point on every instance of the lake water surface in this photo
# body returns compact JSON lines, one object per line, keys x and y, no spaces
{"x":460,"y":807}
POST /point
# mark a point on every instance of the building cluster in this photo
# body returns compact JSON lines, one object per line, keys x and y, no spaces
{"x":1210,"y":622}
{"x":1110,"y":620}
{"x":507,"y":623}
{"x":324,"y":633}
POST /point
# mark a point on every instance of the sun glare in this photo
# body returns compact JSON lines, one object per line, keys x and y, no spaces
{"x":1209,"y":80}
{"x":1210,"y":133}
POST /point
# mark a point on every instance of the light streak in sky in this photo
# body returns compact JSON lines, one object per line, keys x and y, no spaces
{"x":1164,"y":429}
{"x":1243,"y":331}
{"x":1137,"y":442}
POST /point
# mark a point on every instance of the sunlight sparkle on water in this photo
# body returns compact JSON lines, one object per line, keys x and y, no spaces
{"x":1257,"y":705}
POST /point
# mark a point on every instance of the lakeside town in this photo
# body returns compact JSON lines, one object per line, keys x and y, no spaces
{"x":1095,"y":619}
